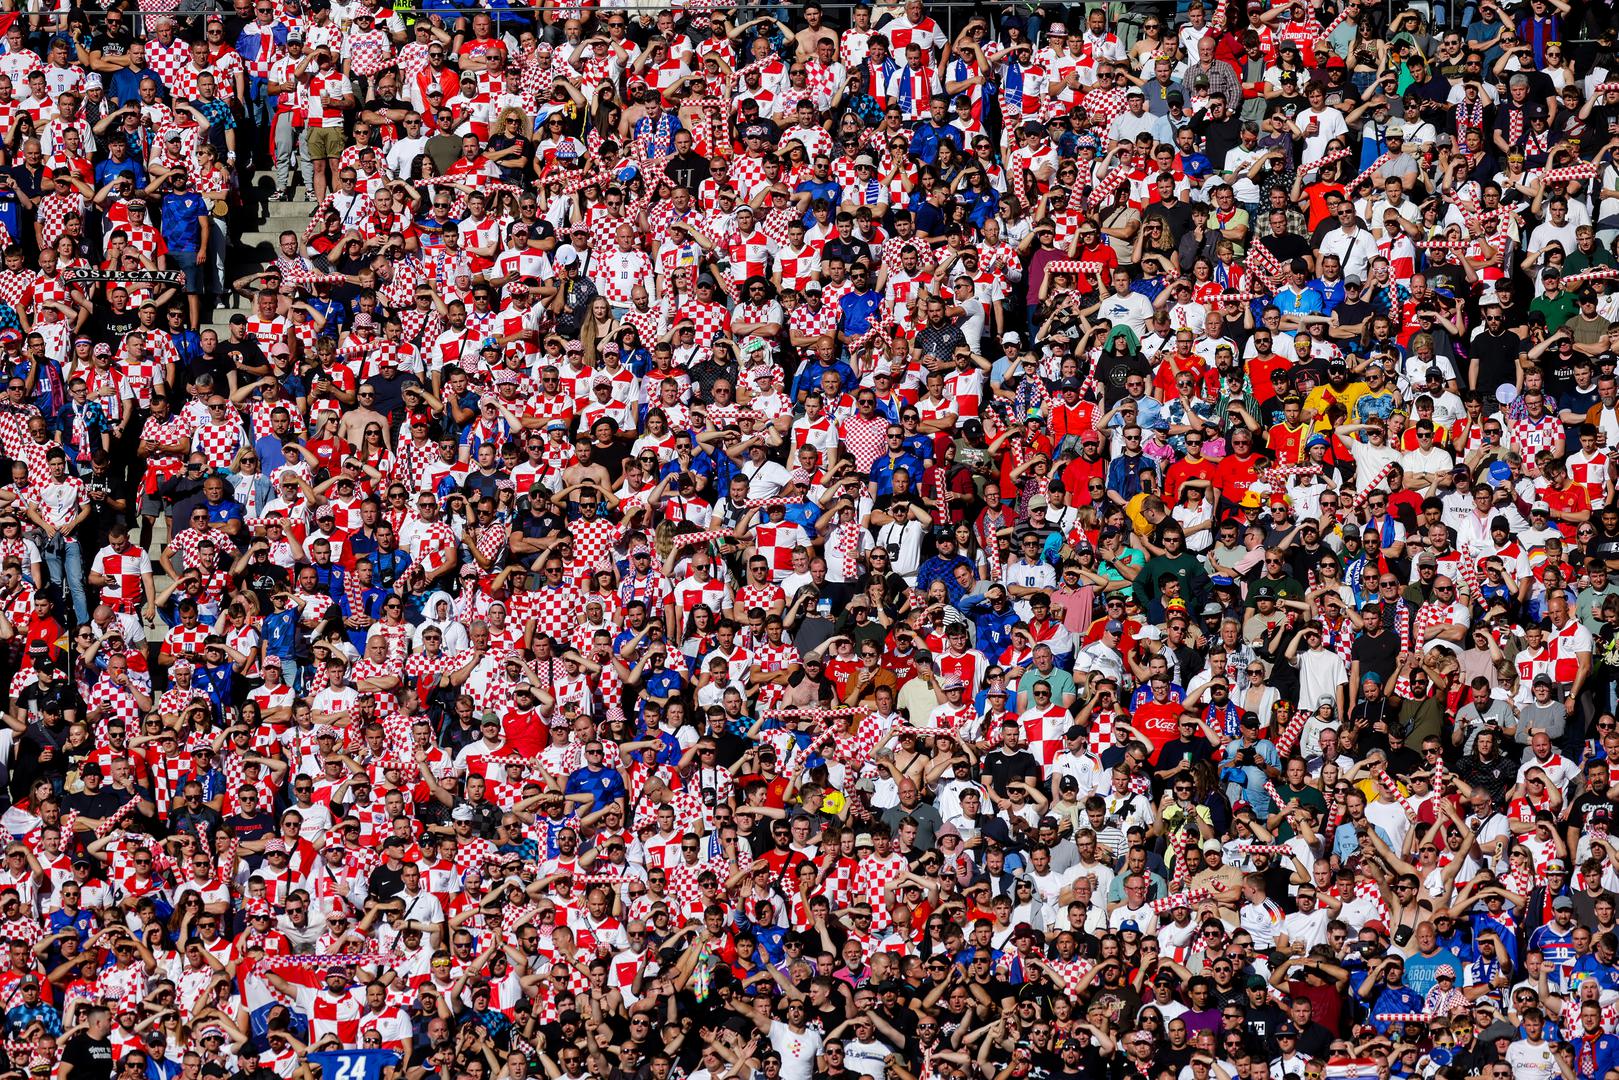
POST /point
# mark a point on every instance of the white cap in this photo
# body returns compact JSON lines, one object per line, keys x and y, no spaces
{"x":566,"y":255}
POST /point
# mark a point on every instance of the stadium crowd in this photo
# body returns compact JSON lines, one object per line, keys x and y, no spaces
{"x":1010,"y":542}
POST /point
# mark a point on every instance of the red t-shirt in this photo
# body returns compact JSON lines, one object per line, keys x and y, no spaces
{"x":1236,"y":475}
{"x":1571,"y":500}
{"x":1076,"y":478}
{"x":330,"y":453}
{"x":840,"y":672}
{"x":1287,"y":444}
{"x":1184,"y":470}
{"x":1260,"y":370}
{"x":1157,"y":723}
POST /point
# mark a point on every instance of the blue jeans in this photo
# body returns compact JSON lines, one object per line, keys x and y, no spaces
{"x":191,"y":265}
{"x":65,"y":564}
{"x":258,"y":102}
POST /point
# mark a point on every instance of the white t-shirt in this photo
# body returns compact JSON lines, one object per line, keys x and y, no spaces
{"x":866,"y":1058}
{"x":797,"y":1050}
{"x":1130,"y":309}
{"x":1390,"y":818}
{"x":1531,"y":1061}
{"x":1238,"y":160}
{"x":1309,"y":930}
{"x":1321,"y":672}
{"x":1330,"y":125}
{"x":765,"y":480}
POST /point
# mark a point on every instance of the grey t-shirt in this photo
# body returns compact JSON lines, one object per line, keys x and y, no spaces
{"x":1473,"y":720}
{"x":1550,"y":718}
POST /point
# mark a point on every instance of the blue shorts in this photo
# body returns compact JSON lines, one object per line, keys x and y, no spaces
{"x":187,"y":263}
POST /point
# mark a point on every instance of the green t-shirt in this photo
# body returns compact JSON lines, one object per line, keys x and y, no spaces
{"x":1129,"y":556}
{"x":1060,"y":681}
{"x":1184,"y":566}
{"x":1306,"y":796}
{"x":1557,"y":309}
{"x":1577,"y":260}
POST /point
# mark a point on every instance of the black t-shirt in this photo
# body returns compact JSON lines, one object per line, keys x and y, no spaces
{"x":1221,"y":136}
{"x":1603,"y":545}
{"x":687,"y":170}
{"x":378,"y":104}
{"x":1112,"y":370}
{"x":818,"y":617}
{"x":1177,"y":217}
{"x":1581,"y":808}
{"x":1315,"y":1040}
{"x":1351,"y":313}
{"x":1286,"y":247}
{"x":1559,"y":371}
{"x":1259,"y":1026}
{"x":1604,"y":121}
{"x":91,"y":1059}
{"x":850,"y":251}
{"x":1401,"y":759}
{"x":111,"y":45}
{"x":1004,"y":768}
{"x":102,"y":804}
{"x":114,"y":327}
{"x":240,"y":354}
{"x":264,"y":579}
{"x":1377,"y":652}
{"x":1497,"y":356}
{"x":218,"y":366}
{"x":385,"y":884}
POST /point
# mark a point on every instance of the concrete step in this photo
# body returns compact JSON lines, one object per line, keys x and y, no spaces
{"x":287,"y":219}
{"x":277,"y":226}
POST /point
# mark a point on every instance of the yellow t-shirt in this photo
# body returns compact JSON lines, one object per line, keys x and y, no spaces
{"x":1324,"y":395}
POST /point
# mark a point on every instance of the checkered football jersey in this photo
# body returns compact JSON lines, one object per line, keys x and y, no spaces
{"x":125,"y":571}
{"x":710,"y":321}
{"x":618,"y":272}
{"x":167,"y":60}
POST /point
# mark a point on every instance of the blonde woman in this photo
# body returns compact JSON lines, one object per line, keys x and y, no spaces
{"x":599,"y":328}
{"x":1258,"y":698}
{"x":510,"y":148}
{"x":1152,"y":44}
